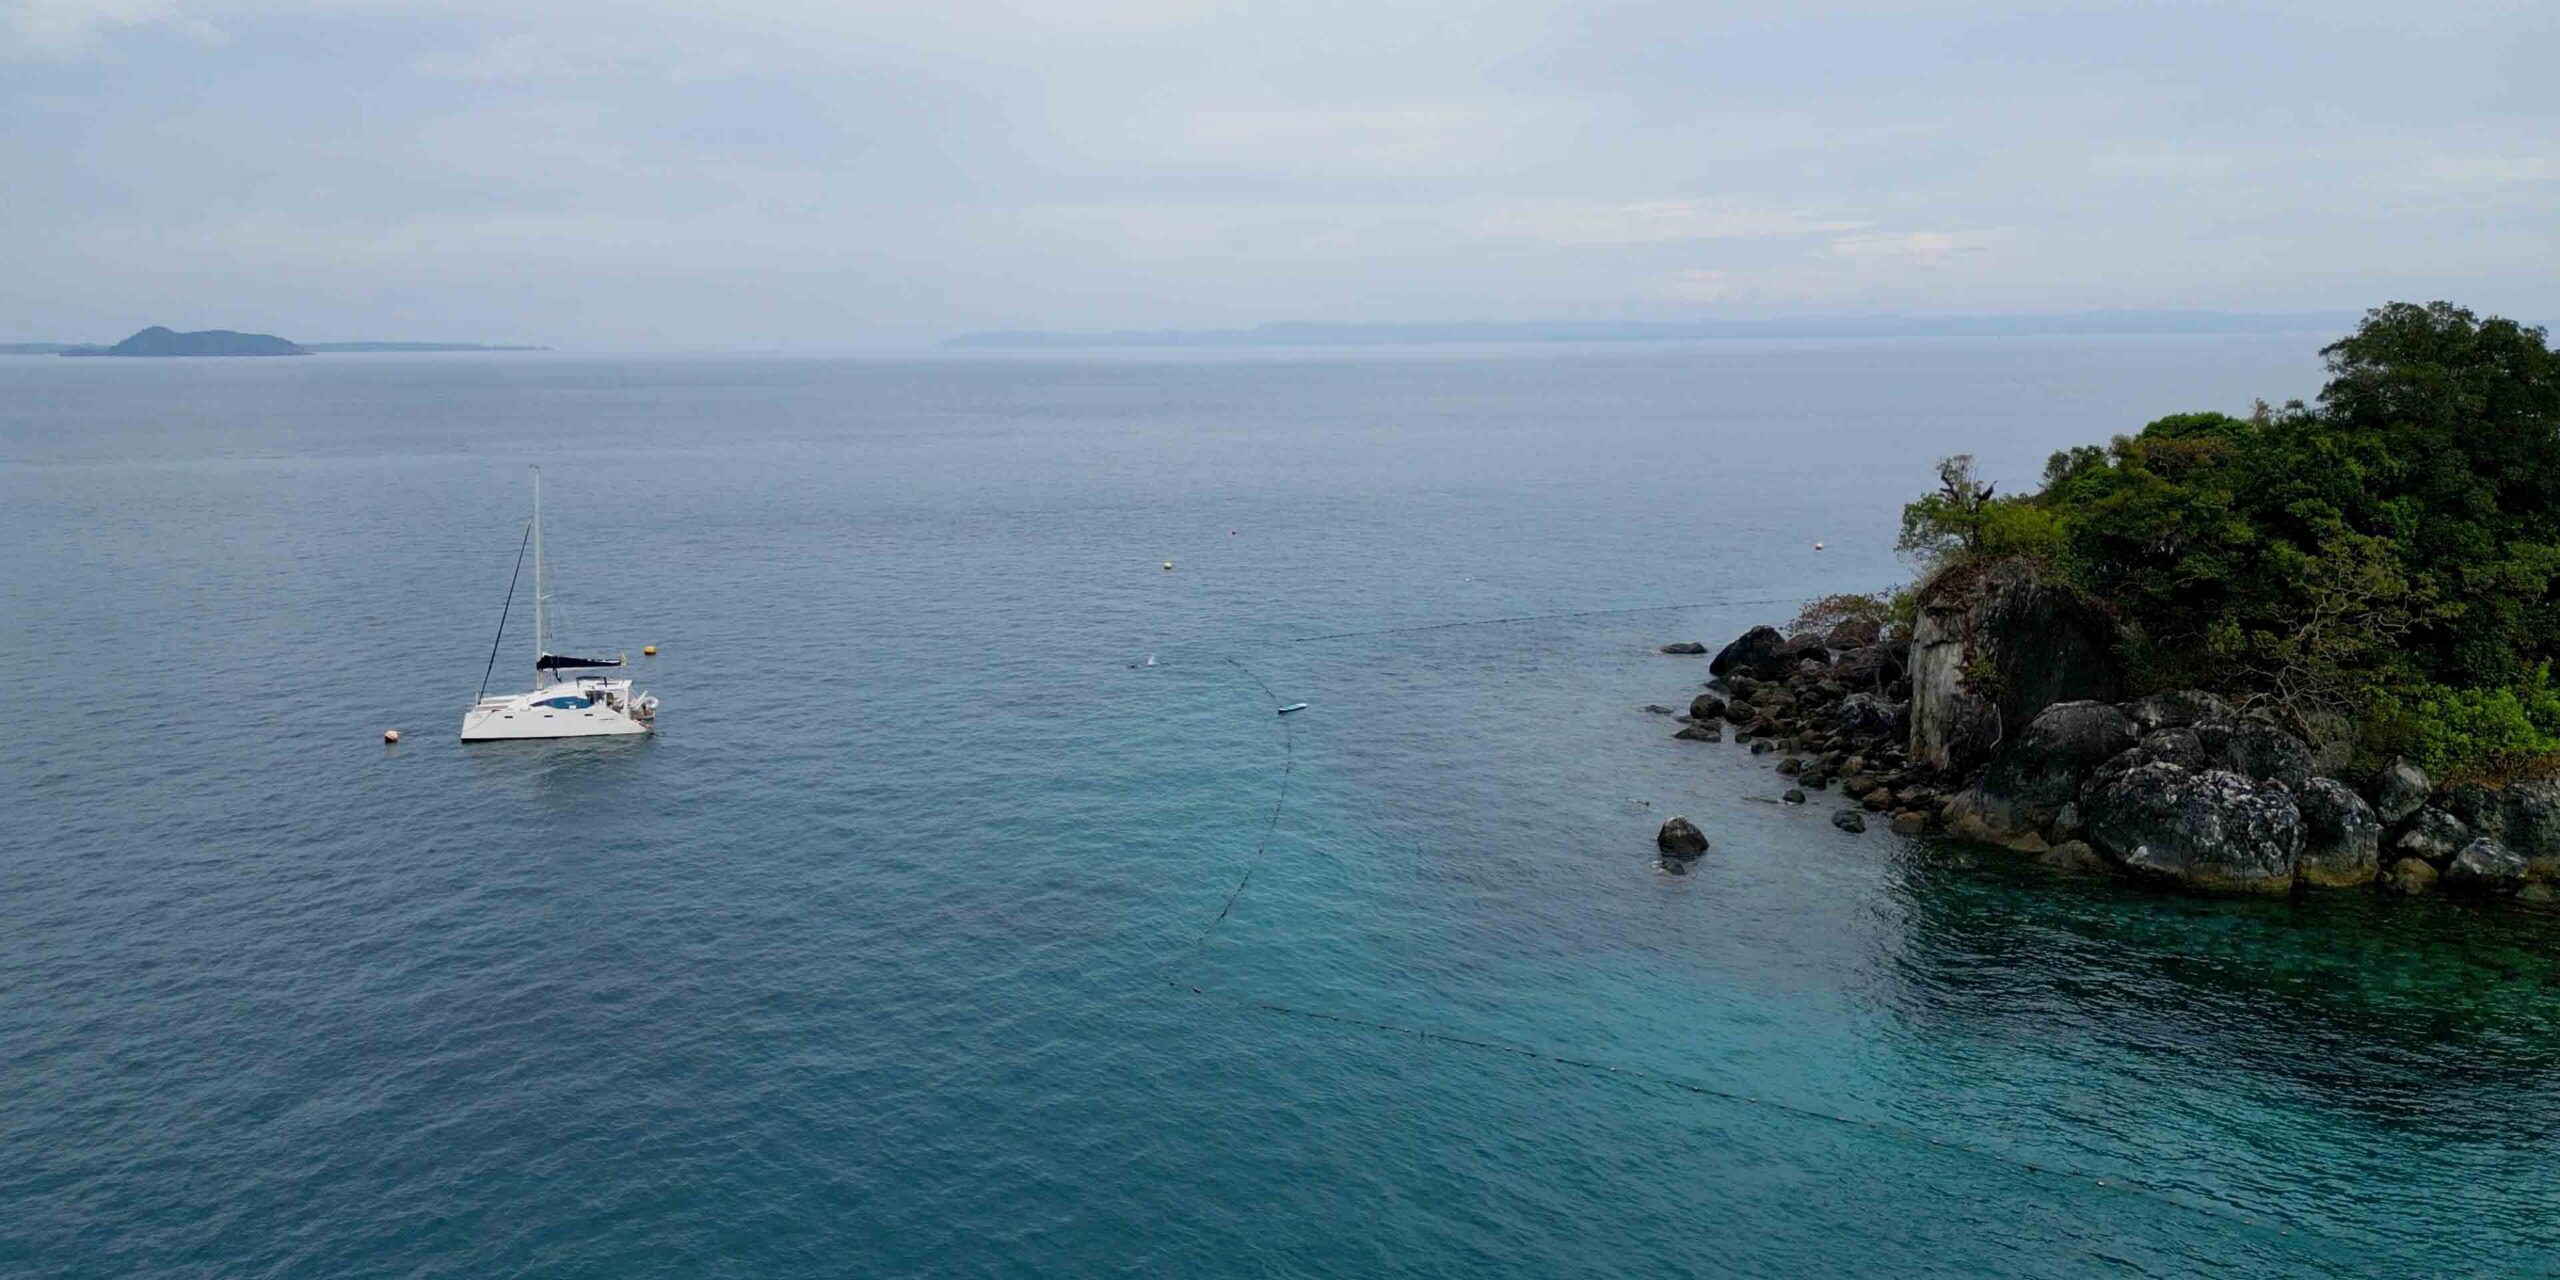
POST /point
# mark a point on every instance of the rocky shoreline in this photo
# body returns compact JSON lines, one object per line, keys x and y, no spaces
{"x":2000,"y":719}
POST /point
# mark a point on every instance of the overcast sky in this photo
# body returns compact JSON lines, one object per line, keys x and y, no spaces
{"x":764,"y":173}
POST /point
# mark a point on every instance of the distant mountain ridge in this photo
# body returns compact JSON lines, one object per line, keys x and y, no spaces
{"x":1301,"y":334}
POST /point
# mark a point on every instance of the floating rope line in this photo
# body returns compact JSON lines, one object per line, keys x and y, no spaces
{"x":1695,"y":1088}
{"x":1288,"y":764}
{"x":1539,"y":617}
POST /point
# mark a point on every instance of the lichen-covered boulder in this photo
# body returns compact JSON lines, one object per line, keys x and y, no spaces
{"x":2255,"y":749}
{"x":1759,"y":652}
{"x":2485,"y":868}
{"x":2399,"y":791}
{"x":1993,"y":646}
{"x":2434,"y":836}
{"x":2177,"y":710}
{"x":2341,"y":837}
{"x":2212,"y":829}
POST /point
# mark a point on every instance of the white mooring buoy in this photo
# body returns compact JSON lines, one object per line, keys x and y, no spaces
{"x":390,"y":735}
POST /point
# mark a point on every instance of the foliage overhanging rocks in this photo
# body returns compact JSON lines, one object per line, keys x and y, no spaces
{"x":2224,"y":653}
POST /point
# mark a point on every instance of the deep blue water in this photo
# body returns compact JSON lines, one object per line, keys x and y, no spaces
{"x":891,"y":954}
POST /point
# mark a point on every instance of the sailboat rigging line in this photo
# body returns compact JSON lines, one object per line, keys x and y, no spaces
{"x":502,"y":613}
{"x":1540,"y":617}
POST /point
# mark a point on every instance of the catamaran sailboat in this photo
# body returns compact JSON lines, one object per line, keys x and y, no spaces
{"x":562,"y":704}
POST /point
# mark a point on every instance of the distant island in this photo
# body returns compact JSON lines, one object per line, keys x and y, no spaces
{"x":159,"y":340}
{"x":2077,"y":324}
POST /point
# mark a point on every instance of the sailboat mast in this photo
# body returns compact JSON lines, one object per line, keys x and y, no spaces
{"x":541,"y":594}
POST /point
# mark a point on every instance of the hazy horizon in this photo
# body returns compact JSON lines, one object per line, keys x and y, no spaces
{"x":789,"y":176}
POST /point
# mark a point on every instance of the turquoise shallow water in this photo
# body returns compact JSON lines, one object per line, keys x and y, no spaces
{"x":892,"y":953}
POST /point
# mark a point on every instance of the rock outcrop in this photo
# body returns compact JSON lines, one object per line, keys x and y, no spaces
{"x":2485,"y":868}
{"x":1759,"y":652}
{"x":2207,"y":830}
{"x":2399,"y":791}
{"x":2341,"y":837}
{"x":2026,"y":789}
{"x":1994,"y":646}
{"x":1680,"y":838}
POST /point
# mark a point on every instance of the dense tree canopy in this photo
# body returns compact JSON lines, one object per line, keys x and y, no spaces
{"x":2380,"y":565}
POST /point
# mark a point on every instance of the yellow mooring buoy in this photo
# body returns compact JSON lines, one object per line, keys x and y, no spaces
{"x":390,"y":735}
{"x":648,"y":651}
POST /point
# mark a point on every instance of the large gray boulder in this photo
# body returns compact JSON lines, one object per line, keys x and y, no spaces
{"x":1993,"y":646}
{"x":1871,"y":668}
{"x":2485,"y":868}
{"x":1870,"y":713}
{"x":2341,"y":837}
{"x":2041,"y":771}
{"x":2257,"y":750}
{"x":2177,"y":709}
{"x":2432,"y":836}
{"x":2399,"y":791}
{"x":2523,"y":816}
{"x":1854,"y":633}
{"x":1759,"y":652}
{"x":2213,"y":829}
{"x":1804,"y":648}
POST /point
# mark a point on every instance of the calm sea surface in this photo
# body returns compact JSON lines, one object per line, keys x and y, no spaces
{"x":892,"y":953}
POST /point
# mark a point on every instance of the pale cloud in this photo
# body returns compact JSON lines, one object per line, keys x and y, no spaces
{"x":812,"y":171}
{"x":72,"y":28}
{"x":1639,"y":222}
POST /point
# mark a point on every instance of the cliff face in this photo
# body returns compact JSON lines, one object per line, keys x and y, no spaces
{"x":1993,"y":646}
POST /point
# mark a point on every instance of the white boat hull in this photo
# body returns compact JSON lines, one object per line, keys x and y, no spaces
{"x":541,"y":715}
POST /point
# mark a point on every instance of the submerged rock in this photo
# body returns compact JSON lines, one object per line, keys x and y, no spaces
{"x":2341,"y":837}
{"x":2212,"y":829}
{"x":1680,"y":838}
{"x":2411,"y":876}
{"x":1684,"y":647}
{"x":1850,"y":820}
{"x":1700,"y":732}
{"x":1793,"y":796}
